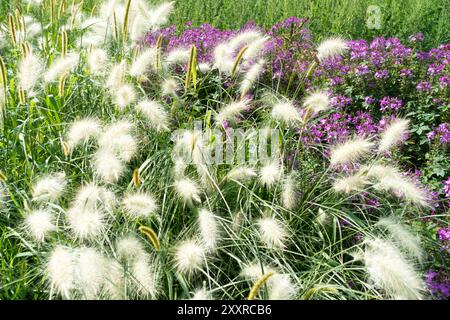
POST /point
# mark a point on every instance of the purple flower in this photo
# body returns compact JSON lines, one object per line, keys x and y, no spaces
{"x":392,"y":103}
{"x":382,"y":74}
{"x":444,"y":234}
{"x":444,"y":81}
{"x":406,"y":73}
{"x":438,"y":283}
{"x":424,"y":86}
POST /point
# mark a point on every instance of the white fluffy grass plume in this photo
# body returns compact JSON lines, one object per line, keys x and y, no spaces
{"x":393,"y":134}
{"x":404,"y":238}
{"x":61,"y":67}
{"x":232,"y":110}
{"x":118,"y":141}
{"x":97,"y":60}
{"x":116,"y":75}
{"x":107,"y":166}
{"x":91,"y":271}
{"x":86,"y":223}
{"x":331,"y":48}
{"x":289,"y":193}
{"x":124,"y":96}
{"x":317,"y":101}
{"x":169,"y":87}
{"x":49,"y":188}
{"x":140,"y":204}
{"x":129,"y":248}
{"x":155,"y":114}
{"x":144,"y":62}
{"x":251,"y":76}
{"x":272,"y":232}
{"x":39,"y":224}
{"x":281,"y":287}
{"x":82,"y":130}
{"x":271,"y":173}
{"x":188,"y":190}
{"x":92,"y":196}
{"x":60,"y":270}
{"x":209,"y":229}
{"x":178,"y":56}
{"x":350,"y":151}
{"x":388,"y":178}
{"x":287,"y":113}
{"x":29,"y":72}
{"x":389,"y":270}
{"x":241,"y":173}
{"x":353,"y":183}
{"x":145,"y":277}
{"x":189,"y":256}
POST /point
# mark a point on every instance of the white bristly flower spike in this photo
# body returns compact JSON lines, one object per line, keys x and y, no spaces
{"x":289,"y":193}
{"x":352,"y":183}
{"x":49,"y":188}
{"x":117,"y":140}
{"x":271,"y":173}
{"x":144,"y":63}
{"x":155,"y":114}
{"x":331,"y":48}
{"x":241,"y":173}
{"x":124,"y":96}
{"x":91,"y":196}
{"x":82,"y":130}
{"x":189,"y":256}
{"x":201,"y":294}
{"x":61,"y":67}
{"x":97,"y":59}
{"x":140,"y":205}
{"x":255,"y":271}
{"x":116,"y":75}
{"x":393,"y":134}
{"x":169,"y":87}
{"x":86,"y":223}
{"x":389,"y":270}
{"x":287,"y":113}
{"x":403,"y":237}
{"x":61,"y":270}
{"x":29,"y":72}
{"x":160,"y":14}
{"x":178,"y":56}
{"x":350,"y":151}
{"x":317,"y":101}
{"x":145,"y":277}
{"x":114,"y":285}
{"x":39,"y":224}
{"x":232,"y":110}
{"x":91,"y":270}
{"x":272,"y":232}
{"x":187,"y":190}
{"x":281,"y":287}
{"x":388,"y":178}
{"x":129,"y":248}
{"x":209,"y":229}
{"x":108,"y":166}
{"x":251,"y":76}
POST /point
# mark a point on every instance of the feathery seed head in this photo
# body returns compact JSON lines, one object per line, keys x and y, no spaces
{"x":124,"y":96}
{"x":108,"y":166}
{"x":39,"y":224}
{"x":331,"y":48}
{"x":393,"y":134}
{"x":86,"y":224}
{"x":241,"y":173}
{"x":49,"y":188}
{"x":272,"y":232}
{"x":157,"y":117}
{"x":208,"y":229}
{"x":317,"y":101}
{"x":189,"y":256}
{"x":60,"y":270}
{"x":271,"y":173}
{"x":287,"y":113}
{"x":350,"y":151}
{"x":187,"y":190}
{"x":140,"y":205}
{"x":129,"y":248}
{"x":80,"y":131}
